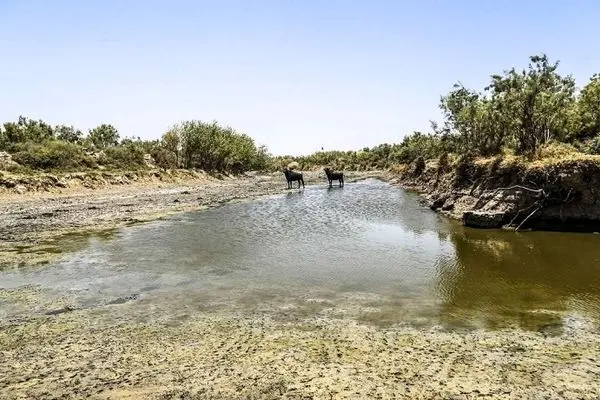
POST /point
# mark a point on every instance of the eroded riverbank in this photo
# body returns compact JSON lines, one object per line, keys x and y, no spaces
{"x":555,"y":194}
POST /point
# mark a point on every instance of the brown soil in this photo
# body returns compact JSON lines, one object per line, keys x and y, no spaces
{"x":491,"y":193}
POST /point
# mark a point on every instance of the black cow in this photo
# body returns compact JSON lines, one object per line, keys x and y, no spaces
{"x":334,"y":176}
{"x":292,"y":176}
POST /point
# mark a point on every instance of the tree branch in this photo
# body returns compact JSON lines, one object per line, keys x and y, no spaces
{"x":529,"y":216}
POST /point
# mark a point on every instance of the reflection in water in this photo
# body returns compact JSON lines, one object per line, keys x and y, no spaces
{"x":527,"y":279}
{"x":367,"y":250}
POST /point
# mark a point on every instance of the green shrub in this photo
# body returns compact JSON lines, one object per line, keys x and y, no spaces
{"x":213,"y":148}
{"x":165,"y":158}
{"x":464,"y":168}
{"x":443,"y":163}
{"x":593,"y":146}
{"x":4,"y":142}
{"x":130,"y":156}
{"x":23,"y":131}
{"x":419,"y":166}
{"x":104,"y":136}
{"x":54,"y":154}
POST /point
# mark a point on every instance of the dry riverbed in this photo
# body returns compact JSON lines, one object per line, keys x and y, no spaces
{"x":217,"y":355}
{"x":131,"y":348}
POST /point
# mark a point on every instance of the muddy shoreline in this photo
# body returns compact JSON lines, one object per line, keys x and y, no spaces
{"x":228,"y":356}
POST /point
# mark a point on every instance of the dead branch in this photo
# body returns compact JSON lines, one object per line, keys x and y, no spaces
{"x":521,"y":211}
{"x":538,"y":191}
{"x":529,"y":216}
{"x":521,"y":187}
{"x":566,"y":200}
{"x":514,"y":218}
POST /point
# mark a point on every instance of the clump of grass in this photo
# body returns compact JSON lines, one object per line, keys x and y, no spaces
{"x":558,"y":153}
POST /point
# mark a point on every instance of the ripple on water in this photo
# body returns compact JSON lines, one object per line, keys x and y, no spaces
{"x":367,"y":250}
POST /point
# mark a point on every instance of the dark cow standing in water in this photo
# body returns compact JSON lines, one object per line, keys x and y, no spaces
{"x":334,"y":176}
{"x":292,"y":176}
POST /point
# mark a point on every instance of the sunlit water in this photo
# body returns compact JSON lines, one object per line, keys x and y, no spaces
{"x":367,"y":251}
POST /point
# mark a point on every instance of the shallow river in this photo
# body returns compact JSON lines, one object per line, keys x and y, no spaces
{"x":369,"y":250}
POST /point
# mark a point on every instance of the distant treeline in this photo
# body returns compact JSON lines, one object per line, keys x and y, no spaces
{"x":520,"y":112}
{"x":37,"y":145}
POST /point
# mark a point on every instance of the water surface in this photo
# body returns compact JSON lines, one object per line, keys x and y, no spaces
{"x":368,"y":251}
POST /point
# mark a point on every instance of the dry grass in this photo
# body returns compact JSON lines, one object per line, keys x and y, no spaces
{"x":561,"y":153}
{"x":399,"y":169}
{"x":552,"y":154}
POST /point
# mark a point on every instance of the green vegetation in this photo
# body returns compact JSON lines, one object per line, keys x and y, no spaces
{"x":530,"y":114}
{"x":211,"y":147}
{"x":36,"y":145}
{"x":52,"y":154}
{"x":521,"y":113}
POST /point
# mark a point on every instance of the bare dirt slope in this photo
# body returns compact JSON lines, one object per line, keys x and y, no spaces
{"x":559,"y":195}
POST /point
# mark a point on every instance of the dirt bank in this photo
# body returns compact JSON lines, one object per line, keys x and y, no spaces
{"x":36,"y":211}
{"x":560,"y":195}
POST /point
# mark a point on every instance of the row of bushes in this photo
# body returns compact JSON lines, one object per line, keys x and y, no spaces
{"x":26,"y":130}
{"x":521,"y":112}
{"x":192,"y":144}
{"x":59,"y":155}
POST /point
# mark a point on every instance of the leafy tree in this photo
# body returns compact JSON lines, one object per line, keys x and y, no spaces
{"x":68,"y":134}
{"x":103,"y":136}
{"x":523,"y":110}
{"x":466,"y":113}
{"x":588,"y":108}
{"x":534,"y":103}
{"x":210,"y":147}
{"x":27,"y":130}
{"x":171,"y":142}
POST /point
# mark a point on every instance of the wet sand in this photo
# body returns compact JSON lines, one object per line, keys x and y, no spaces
{"x":120,"y":349}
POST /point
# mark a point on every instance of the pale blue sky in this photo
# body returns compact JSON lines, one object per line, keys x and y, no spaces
{"x":295,"y":75}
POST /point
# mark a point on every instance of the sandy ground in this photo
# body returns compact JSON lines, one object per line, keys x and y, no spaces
{"x":221,"y":356}
{"x":110,"y":352}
